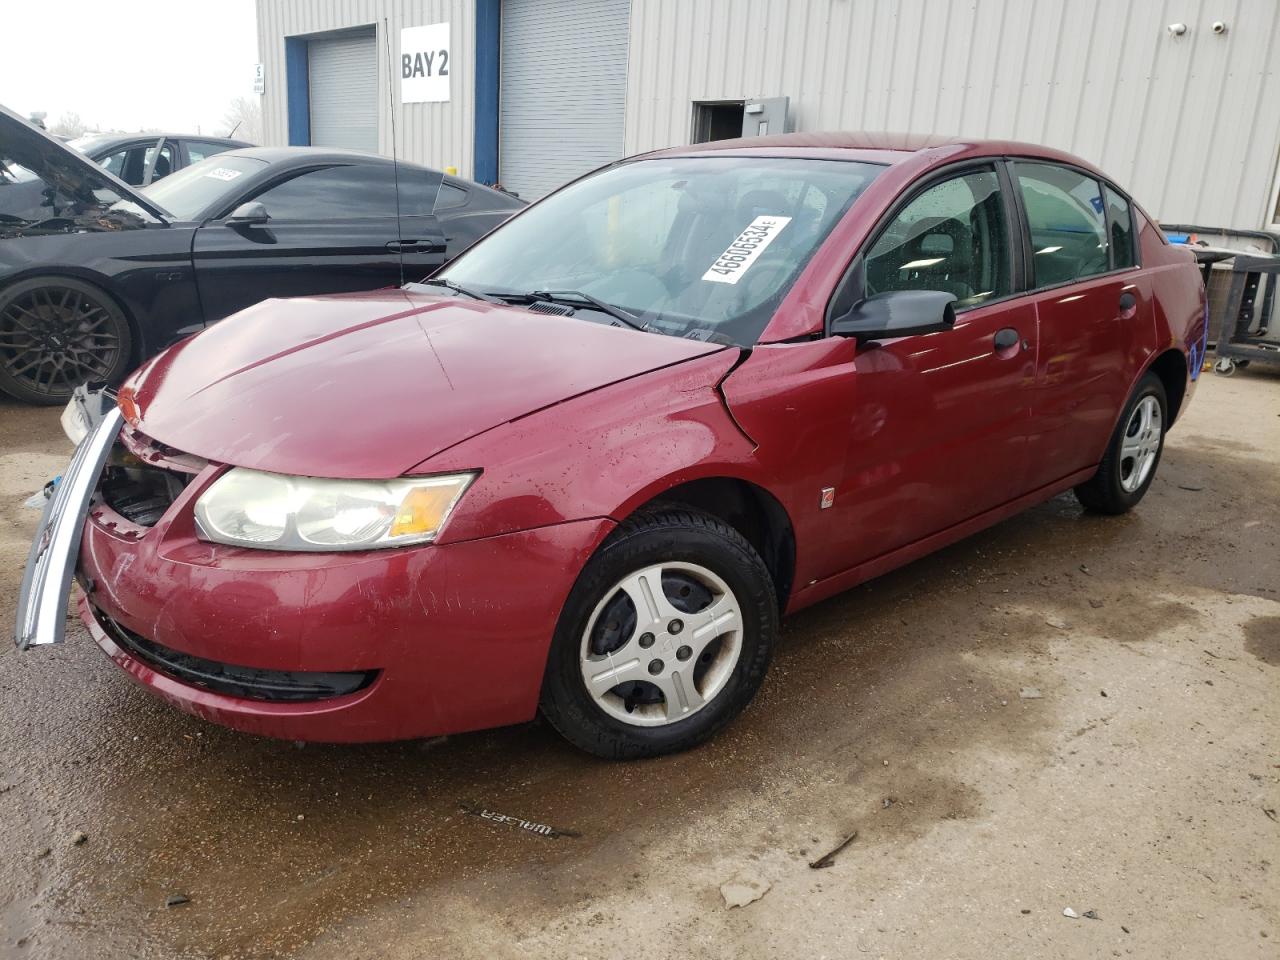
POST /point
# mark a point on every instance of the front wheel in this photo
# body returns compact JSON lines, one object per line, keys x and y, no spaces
{"x":1129,"y":465}
{"x":664,"y":639}
{"x":57,"y":333}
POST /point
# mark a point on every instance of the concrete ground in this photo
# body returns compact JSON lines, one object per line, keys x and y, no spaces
{"x":1142,"y":783}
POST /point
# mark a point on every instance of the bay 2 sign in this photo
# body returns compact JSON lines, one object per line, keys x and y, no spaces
{"x":425,"y":63}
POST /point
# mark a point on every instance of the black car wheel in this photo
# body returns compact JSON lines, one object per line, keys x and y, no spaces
{"x":665,"y":637}
{"x":57,"y":333}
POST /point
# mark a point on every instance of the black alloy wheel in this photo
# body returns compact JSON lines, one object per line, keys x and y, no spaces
{"x":57,"y":333}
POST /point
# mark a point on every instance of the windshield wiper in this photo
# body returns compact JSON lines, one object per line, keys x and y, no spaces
{"x":459,"y":288}
{"x":568,"y":296}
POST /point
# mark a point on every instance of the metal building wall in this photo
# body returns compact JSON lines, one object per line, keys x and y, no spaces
{"x":436,"y":134}
{"x":1182,"y":122}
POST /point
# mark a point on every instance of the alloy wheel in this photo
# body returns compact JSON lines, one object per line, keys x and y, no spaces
{"x":1141,"y":444}
{"x":54,"y":338}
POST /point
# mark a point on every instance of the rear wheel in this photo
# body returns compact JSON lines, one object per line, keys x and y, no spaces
{"x":1129,"y":465}
{"x":665,"y":637}
{"x":57,"y":333}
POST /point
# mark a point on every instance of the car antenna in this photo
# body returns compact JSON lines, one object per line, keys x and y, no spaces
{"x":395,"y":161}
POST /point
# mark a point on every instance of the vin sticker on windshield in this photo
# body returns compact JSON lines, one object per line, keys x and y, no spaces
{"x":745,"y":250}
{"x":225,"y":174}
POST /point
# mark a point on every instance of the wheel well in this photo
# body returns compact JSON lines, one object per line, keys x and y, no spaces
{"x":1171,"y":368}
{"x":754,"y":513}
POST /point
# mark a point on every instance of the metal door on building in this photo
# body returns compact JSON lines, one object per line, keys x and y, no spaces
{"x":564,"y":80}
{"x":342,"y":73}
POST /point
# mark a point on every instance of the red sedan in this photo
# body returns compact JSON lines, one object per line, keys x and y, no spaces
{"x":587,"y":467}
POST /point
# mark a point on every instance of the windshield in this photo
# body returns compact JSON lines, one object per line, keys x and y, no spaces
{"x":691,"y":246}
{"x":191,"y":191}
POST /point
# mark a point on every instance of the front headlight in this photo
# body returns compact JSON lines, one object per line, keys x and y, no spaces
{"x":271,"y":511}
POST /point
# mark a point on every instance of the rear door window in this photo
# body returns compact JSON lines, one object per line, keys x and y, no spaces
{"x":165,"y":161}
{"x":1067,"y":223}
{"x":1124,"y":251}
{"x":128,"y":163}
{"x":952,"y":237}
{"x":198,"y":150}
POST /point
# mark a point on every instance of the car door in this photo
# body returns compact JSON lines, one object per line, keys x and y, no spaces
{"x":1088,"y":294}
{"x":331,"y":229}
{"x":939,"y":422}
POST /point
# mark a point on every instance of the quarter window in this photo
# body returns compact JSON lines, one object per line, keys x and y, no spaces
{"x":1120,"y":225}
{"x":1068,"y":230}
{"x":450,"y":196}
{"x":952,"y":237}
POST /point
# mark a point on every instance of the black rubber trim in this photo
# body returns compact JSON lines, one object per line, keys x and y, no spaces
{"x":249,"y":683}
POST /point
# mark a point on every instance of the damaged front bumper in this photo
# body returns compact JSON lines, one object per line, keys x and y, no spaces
{"x":46,"y":584}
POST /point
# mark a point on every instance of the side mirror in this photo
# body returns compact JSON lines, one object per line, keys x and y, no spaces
{"x":249,"y":213}
{"x":897,"y":313}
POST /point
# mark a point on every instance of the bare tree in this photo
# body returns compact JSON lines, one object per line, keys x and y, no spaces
{"x":244,"y":116}
{"x":69,"y":125}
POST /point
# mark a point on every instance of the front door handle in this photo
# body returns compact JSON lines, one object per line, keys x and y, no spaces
{"x":1006,"y":339}
{"x":415,"y":246}
{"x":1127,"y":302}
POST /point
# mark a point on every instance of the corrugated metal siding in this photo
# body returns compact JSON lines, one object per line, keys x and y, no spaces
{"x":564,"y":83}
{"x":1191,"y":124}
{"x":343,"y":73}
{"x":436,"y":134}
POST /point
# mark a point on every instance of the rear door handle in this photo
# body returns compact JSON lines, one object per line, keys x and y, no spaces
{"x":1127,"y":302}
{"x":1006,"y":338}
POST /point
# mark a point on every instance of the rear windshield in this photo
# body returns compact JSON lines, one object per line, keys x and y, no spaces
{"x":189,"y":193}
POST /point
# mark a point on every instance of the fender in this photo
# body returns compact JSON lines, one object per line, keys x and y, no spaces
{"x":601,"y":454}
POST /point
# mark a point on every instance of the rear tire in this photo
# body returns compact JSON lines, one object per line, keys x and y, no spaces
{"x":1133,"y":453}
{"x":665,"y":637}
{"x":57,"y":333}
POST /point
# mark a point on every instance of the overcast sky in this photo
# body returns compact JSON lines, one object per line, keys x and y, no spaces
{"x":128,"y":65}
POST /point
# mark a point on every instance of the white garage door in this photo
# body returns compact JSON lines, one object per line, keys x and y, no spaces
{"x":564,"y":80}
{"x":343,"y":74}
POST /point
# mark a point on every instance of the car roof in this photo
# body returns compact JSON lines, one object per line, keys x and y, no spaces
{"x":872,"y":147}
{"x":275,"y":155}
{"x":98,"y":140}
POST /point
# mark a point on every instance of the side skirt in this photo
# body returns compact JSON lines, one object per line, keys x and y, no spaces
{"x":840,"y":582}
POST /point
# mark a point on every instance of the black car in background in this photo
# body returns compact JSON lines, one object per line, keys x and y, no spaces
{"x":142,"y":158}
{"x":96,"y":275}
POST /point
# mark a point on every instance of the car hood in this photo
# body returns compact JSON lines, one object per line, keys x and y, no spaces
{"x":31,"y":160}
{"x":370,"y":385}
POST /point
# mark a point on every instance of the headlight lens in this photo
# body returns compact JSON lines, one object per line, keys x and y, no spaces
{"x":251,"y":508}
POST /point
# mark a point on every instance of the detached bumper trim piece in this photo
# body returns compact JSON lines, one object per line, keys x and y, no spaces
{"x":46,"y":584}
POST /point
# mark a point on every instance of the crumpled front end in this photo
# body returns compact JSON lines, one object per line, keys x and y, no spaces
{"x":372,"y":645}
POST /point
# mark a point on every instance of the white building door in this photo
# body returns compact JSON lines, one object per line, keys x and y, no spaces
{"x":564,"y":82}
{"x":342,"y":72}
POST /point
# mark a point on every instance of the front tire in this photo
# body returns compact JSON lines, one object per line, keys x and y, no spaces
{"x":1133,"y":453}
{"x":57,"y":333}
{"x":665,"y":637}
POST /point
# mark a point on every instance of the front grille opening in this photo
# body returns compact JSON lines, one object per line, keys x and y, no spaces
{"x":141,"y":494}
{"x":248,"y":683}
